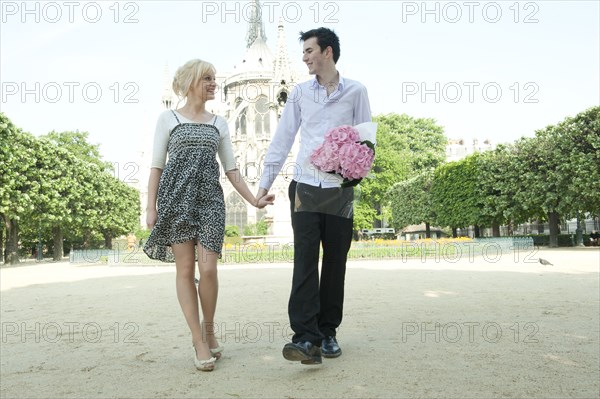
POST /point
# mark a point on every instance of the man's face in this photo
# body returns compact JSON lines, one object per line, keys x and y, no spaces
{"x":313,"y":57}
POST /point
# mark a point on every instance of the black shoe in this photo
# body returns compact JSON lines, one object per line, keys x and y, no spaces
{"x":305,"y":352}
{"x":330,"y":347}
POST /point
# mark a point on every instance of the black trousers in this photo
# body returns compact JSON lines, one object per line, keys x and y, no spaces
{"x":316,"y":305}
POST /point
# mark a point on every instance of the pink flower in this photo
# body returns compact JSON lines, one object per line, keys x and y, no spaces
{"x":355,"y":160}
{"x":342,"y":152}
{"x":342,"y":134}
{"x":325,"y":157}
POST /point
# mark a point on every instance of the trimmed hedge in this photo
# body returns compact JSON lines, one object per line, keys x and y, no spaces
{"x":564,"y":240}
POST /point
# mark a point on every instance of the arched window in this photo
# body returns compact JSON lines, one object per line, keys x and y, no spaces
{"x":240,"y":123}
{"x":262,"y":122}
{"x":236,"y":212}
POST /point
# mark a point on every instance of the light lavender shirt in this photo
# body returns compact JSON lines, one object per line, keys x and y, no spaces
{"x":309,"y":109}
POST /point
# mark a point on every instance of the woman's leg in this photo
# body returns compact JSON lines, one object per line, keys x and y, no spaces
{"x":188,"y":295}
{"x":208,"y":290}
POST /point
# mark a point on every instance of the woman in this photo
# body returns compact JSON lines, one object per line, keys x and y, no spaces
{"x":186,"y":208}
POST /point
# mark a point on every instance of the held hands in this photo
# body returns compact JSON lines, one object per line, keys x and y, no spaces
{"x":264,"y":200}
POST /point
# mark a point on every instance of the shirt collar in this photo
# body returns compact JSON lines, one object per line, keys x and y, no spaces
{"x":315,"y":83}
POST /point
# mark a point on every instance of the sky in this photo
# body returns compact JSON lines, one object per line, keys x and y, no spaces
{"x":482,"y":69}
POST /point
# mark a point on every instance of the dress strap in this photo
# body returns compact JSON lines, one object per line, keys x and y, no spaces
{"x":214,"y":120}
{"x":175,"y":115}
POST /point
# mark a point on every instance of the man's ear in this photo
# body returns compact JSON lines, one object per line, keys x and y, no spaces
{"x":329,"y":51}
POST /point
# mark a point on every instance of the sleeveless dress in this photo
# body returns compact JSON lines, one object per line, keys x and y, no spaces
{"x":190,"y":201}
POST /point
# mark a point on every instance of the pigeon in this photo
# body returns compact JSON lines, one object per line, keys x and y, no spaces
{"x":545,"y":262}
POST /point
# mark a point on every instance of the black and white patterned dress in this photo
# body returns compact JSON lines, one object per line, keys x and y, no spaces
{"x":190,"y":201}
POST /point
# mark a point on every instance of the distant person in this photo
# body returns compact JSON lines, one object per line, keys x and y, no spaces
{"x":186,"y":208}
{"x":595,"y":239}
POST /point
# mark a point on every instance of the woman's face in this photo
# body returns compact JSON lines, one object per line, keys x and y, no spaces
{"x":205,"y":87}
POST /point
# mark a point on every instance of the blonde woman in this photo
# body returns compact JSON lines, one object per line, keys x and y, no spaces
{"x":186,"y":208}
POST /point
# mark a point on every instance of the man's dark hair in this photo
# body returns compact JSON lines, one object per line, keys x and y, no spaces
{"x":325,"y":38}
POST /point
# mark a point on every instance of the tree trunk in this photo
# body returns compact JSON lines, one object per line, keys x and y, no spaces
{"x":58,"y":243}
{"x":2,"y":243}
{"x":495,"y":229}
{"x":5,"y":251}
{"x":427,"y":230}
{"x":378,"y":223}
{"x":579,"y":231}
{"x":107,"y":240}
{"x":553,"y":221}
{"x":86,"y":239}
{"x":11,"y":255}
{"x":454,"y":232}
{"x":477,"y":231}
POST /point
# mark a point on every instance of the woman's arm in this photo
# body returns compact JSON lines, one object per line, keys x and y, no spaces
{"x":240,"y":186}
{"x":151,"y":214}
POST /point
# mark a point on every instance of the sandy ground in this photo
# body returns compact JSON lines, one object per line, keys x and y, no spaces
{"x":474,"y":328}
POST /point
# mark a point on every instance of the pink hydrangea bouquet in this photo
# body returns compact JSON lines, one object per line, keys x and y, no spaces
{"x":347,"y":151}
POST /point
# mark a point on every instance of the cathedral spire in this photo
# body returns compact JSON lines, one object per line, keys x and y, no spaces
{"x":282,"y":61}
{"x":167,"y":97}
{"x":256,"y":27}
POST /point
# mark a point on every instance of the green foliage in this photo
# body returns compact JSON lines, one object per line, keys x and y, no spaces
{"x":77,"y":144}
{"x":577,"y":142}
{"x":411,"y":201}
{"x":17,"y":168}
{"x":405,"y":147}
{"x":496,"y":185}
{"x":454,"y":195}
{"x":58,"y":186}
{"x":552,"y":176}
{"x":142,"y":233}
{"x":256,"y":229}
{"x":364,"y":215}
{"x":232,"y":231}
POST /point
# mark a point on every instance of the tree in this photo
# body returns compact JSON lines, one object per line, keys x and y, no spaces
{"x":422,"y":137}
{"x":47,"y":190}
{"x":77,"y":144}
{"x":564,"y":174}
{"x":411,"y":202}
{"x":496,"y":184}
{"x":118,"y":209}
{"x":59,"y":195}
{"x":578,"y":142}
{"x":98,"y":202}
{"x":454,"y":197}
{"x":17,"y":163}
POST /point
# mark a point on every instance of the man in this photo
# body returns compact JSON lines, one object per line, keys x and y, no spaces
{"x":321,"y":210}
{"x":594,"y":238}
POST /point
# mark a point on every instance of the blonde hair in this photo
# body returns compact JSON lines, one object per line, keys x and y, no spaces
{"x":188,"y":74}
